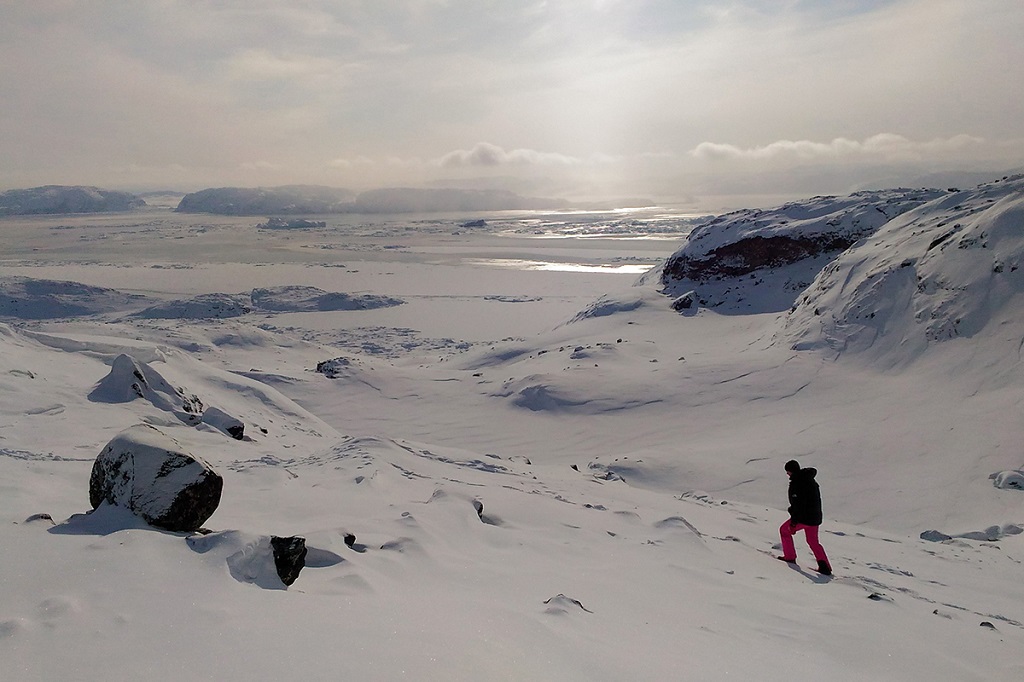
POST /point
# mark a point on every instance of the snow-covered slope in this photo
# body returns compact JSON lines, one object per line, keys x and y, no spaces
{"x":596,"y":498}
{"x":951,"y":270}
{"x":759,"y":260}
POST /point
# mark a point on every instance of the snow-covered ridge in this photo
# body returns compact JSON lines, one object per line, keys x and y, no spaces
{"x":946,"y":270}
{"x":758,"y":260}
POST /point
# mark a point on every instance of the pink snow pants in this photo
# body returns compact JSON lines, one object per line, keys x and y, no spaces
{"x":810,"y":532}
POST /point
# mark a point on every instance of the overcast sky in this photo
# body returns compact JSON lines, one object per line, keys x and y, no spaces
{"x":668,"y":99}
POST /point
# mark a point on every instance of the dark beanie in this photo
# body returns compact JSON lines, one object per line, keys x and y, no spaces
{"x":793,"y":465}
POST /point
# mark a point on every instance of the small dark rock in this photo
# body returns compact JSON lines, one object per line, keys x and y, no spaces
{"x":685,"y":302}
{"x":935,"y":536}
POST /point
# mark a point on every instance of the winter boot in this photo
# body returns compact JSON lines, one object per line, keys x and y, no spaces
{"x":788,"y":561}
{"x":824,"y":568}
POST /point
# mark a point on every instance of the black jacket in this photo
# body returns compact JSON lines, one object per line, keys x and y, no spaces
{"x":804,"y":497}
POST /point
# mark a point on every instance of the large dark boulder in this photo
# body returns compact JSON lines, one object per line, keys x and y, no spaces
{"x":149,"y":473}
{"x":289,"y":556}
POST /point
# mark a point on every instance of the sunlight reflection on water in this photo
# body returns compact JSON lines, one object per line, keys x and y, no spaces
{"x":520,"y":264}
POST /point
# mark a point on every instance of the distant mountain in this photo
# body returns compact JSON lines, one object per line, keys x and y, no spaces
{"x":57,"y":199}
{"x":285,"y":200}
{"x":759,"y":260}
{"x":306,"y":200}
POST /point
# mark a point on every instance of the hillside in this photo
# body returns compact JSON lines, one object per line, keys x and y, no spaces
{"x":946,"y":272}
{"x":758,"y":260}
{"x":285,"y":200}
{"x":57,"y":199}
{"x":307,"y":200}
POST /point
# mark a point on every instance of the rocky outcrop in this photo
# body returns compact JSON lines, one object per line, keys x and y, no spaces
{"x":334,"y":367}
{"x":726,"y":260}
{"x":755,"y":252}
{"x":59,"y":199}
{"x":149,"y":473}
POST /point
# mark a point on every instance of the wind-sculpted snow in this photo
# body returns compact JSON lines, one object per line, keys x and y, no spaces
{"x":951,"y":269}
{"x":607,"y":305}
{"x":758,"y":260}
{"x":130,"y":379}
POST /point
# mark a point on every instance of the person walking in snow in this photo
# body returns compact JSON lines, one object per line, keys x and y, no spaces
{"x":804,"y":514}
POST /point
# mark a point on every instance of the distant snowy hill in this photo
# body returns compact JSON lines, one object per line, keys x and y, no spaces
{"x":24,"y":298}
{"x":288,"y":199}
{"x":950,"y":269}
{"x":43,"y":299}
{"x":759,"y":260}
{"x":52,"y":199}
{"x":304,"y":199}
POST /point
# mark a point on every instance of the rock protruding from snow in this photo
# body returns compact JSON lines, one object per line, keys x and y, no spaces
{"x":149,"y":473}
{"x":130,"y":379}
{"x":1008,"y":479}
{"x":289,"y":557}
{"x":949,"y":269}
{"x":759,"y":260}
{"x":685,"y":303}
{"x":219,"y":419}
{"x":334,"y":367}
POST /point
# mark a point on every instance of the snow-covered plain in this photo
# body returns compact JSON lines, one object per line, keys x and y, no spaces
{"x":550,"y":473}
